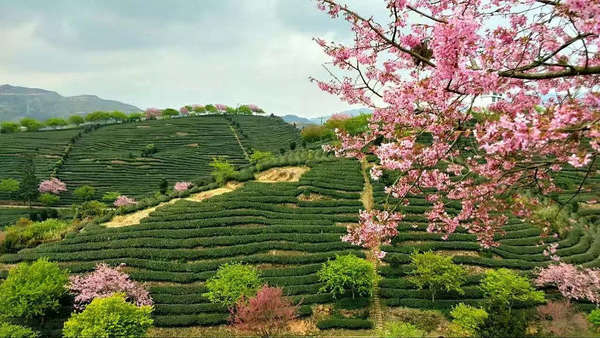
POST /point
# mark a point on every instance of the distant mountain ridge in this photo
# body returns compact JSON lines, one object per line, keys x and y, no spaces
{"x":320,"y":120}
{"x":18,"y":102}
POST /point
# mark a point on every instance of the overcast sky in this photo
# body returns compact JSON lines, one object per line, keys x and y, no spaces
{"x":154,"y":53}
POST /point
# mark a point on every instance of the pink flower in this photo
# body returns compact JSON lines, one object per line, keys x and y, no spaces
{"x":53,"y":186}
{"x":103,"y":282}
{"x":153,"y":113}
{"x":221,"y":107}
{"x":572,"y":282}
{"x":182,"y":186}
{"x":184,"y":110}
{"x":123,"y":201}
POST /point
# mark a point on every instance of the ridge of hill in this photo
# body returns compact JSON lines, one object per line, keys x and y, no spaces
{"x":18,"y":102}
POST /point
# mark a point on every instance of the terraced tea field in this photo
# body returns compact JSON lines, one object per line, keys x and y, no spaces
{"x":286,"y":229}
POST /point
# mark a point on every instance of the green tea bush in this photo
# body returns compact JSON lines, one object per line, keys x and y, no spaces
{"x":594,"y":318}
{"x":401,"y":329}
{"x":32,"y":291}
{"x":348,"y":273}
{"x":110,"y":317}
{"x":16,"y":331}
{"x":231,"y":282}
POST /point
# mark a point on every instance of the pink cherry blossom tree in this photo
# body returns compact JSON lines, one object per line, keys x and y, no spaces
{"x":340,"y":116}
{"x":103,"y":282}
{"x":184,"y":110}
{"x":123,"y":201}
{"x":572,"y":282}
{"x":182,"y":186}
{"x":424,"y":73}
{"x":152,"y":113}
{"x":52,"y":186}
{"x":221,"y":107}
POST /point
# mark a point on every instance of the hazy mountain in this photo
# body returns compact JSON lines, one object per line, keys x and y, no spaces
{"x":19,"y":102}
{"x":322,"y":119}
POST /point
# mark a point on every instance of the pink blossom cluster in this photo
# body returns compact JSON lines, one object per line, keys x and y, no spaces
{"x":153,"y":113}
{"x":184,"y":110}
{"x":182,"y":186}
{"x":103,"y":282}
{"x":123,"y":201}
{"x":254,"y":108}
{"x":376,"y":227}
{"x":572,"y":282}
{"x":421,"y":73}
{"x":53,"y":186}
{"x":340,"y":116}
{"x":221,"y":107}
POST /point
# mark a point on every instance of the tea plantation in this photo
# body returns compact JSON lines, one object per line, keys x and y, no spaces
{"x":286,"y":229}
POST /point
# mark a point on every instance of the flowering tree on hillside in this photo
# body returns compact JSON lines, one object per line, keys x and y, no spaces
{"x":52,"y":186}
{"x":182,"y":186}
{"x":572,"y":282}
{"x":422,"y":73}
{"x":123,"y":201}
{"x":152,"y":113}
{"x":185,"y":110}
{"x":221,"y":107}
{"x":103,"y":282}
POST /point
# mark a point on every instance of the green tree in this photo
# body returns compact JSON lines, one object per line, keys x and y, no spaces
{"x":231,"y":282}
{"x":28,"y":191}
{"x":169,"y":112}
{"x":110,"y":317}
{"x":437,"y":273}
{"x":55,"y":122}
{"x":48,"y":199}
{"x":31,"y":124}
{"x":244,"y":110}
{"x":210,"y":108}
{"x":223,"y":170}
{"x":32,"y":291}
{"x":111,"y":196}
{"x":118,"y":116}
{"x":76,"y":120}
{"x":98,"y":116}
{"x":135,"y":116}
{"x":348,"y":272}
{"x":503,"y":289}
{"x":85,"y":192}
{"x":163,"y":186}
{"x":9,"y":127}
{"x":16,"y":331}
{"x":9,"y":186}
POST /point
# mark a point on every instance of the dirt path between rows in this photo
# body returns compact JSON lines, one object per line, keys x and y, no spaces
{"x":136,"y":217}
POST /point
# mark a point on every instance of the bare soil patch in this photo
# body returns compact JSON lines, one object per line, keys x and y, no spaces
{"x":179,"y":133}
{"x":283,"y":174}
{"x":192,"y":145}
{"x":313,"y":197}
{"x":118,"y":162}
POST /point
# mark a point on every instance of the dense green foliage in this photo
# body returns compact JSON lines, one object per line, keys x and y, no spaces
{"x":467,"y":319}
{"x":436,"y":273}
{"x":110,"y":317}
{"x":232,"y":282}
{"x":16,"y":331}
{"x":348,"y":273}
{"x":401,"y":329}
{"x":222,"y":170}
{"x":30,"y":234}
{"x":32,"y":291}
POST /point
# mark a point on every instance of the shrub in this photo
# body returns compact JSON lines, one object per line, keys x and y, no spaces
{"x":436,"y":272}
{"x":9,"y":127}
{"x":401,"y":329}
{"x":103,"y":282}
{"x":32,"y":291}
{"x":110,"y":196}
{"x":124,"y":201}
{"x":468,"y":318}
{"x":91,"y":209}
{"x":427,"y":320}
{"x":163,"y":186}
{"x":266,"y":313}
{"x":16,"y":331}
{"x":315,"y":133}
{"x":19,"y":237}
{"x":258,"y":155}
{"x":231,"y":282}
{"x":109,"y":317}
{"x":348,"y":272}
{"x":149,"y":150}
{"x":48,"y":199}
{"x":223,"y":170}
{"x":85,"y":192}
{"x":9,"y":186}
{"x":594,"y":318}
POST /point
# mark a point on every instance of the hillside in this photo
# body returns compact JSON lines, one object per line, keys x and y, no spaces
{"x":110,"y":158}
{"x":19,"y":102}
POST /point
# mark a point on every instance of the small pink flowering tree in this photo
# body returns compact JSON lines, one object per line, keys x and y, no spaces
{"x":572,"y":282}
{"x":52,"y":186}
{"x":184,"y":110}
{"x":221,"y":107}
{"x":103,"y":282}
{"x":254,"y":108}
{"x":182,"y":186}
{"x":124,"y":201}
{"x":424,"y":71}
{"x":152,"y":113}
